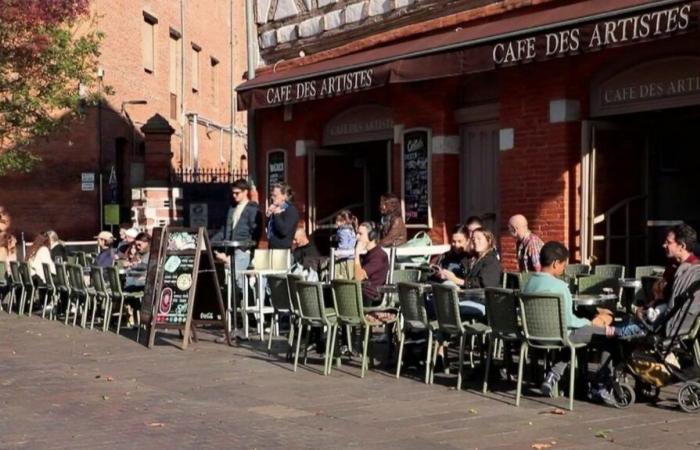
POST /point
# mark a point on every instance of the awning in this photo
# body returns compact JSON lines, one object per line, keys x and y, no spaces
{"x":560,"y":31}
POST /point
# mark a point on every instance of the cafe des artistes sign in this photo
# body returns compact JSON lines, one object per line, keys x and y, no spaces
{"x":319,"y":88}
{"x":594,"y":36}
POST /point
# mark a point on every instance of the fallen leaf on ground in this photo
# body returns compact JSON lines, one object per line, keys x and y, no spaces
{"x":14,"y":352}
{"x":105,"y":397}
{"x":110,"y":379}
{"x":603,"y":434}
{"x":557,"y":411}
{"x":473,"y":411}
{"x":98,"y":376}
{"x":538,"y":446}
{"x":156,"y":424}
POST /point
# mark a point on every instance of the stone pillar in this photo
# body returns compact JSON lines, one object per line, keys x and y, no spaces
{"x":157,"y":133}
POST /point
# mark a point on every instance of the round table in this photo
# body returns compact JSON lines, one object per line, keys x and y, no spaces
{"x":594,"y":299}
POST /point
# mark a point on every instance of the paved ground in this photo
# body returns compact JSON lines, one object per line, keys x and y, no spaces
{"x":64,"y":387}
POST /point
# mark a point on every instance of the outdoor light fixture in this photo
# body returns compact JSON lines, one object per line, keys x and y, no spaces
{"x":133,"y":102}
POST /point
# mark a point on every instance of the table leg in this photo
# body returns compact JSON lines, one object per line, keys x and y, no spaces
{"x":261,"y":304}
{"x":232,"y":295}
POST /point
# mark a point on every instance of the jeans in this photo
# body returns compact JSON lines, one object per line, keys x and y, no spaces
{"x":629,"y":328}
{"x":241,"y":259}
{"x":583,"y":335}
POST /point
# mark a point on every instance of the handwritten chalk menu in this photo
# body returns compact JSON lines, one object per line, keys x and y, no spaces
{"x":276,"y":168}
{"x":416,"y":189}
{"x":184,"y":267}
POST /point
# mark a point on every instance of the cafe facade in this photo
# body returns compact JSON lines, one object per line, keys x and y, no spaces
{"x":584,"y":117}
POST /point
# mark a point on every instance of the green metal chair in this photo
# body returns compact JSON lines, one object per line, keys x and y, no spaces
{"x":5,"y":290}
{"x":446,"y":303}
{"x":510,"y":280}
{"x":16,"y":286}
{"x":524,"y":277}
{"x":502,"y":316}
{"x":609,"y":271}
{"x":282,"y":303}
{"x":118,"y":296}
{"x":414,"y":318}
{"x":314,"y":314}
{"x":29,"y":289}
{"x":102,"y":296}
{"x":647,"y":271}
{"x":594,"y":284}
{"x":543,"y":318}
{"x":575,"y":269}
{"x":63,"y":290}
{"x":82,"y":295}
{"x":49,"y":292}
{"x":347,"y":298}
{"x":399,"y":276}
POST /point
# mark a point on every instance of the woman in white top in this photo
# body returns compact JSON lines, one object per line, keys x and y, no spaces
{"x":38,"y":254}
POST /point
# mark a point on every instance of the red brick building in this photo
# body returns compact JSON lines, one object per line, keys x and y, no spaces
{"x":177,"y":59}
{"x":581,"y":115}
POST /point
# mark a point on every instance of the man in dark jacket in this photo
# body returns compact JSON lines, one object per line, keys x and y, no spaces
{"x":282,"y":216}
{"x":243,"y":224}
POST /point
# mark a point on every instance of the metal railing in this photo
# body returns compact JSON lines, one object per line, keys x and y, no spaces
{"x":208,"y":176}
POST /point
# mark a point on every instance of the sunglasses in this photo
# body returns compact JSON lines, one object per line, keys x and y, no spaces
{"x":237,"y":192}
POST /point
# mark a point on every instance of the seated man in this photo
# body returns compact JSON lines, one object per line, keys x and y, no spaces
{"x":303,"y":249}
{"x":554,"y":258}
{"x":371,"y":262}
{"x":106,"y":256}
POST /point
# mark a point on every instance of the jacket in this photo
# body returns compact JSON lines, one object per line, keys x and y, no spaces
{"x":484,"y":272}
{"x":249,"y":224}
{"x":282,"y":226}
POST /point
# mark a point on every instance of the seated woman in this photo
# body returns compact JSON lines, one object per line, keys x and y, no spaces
{"x":39,"y":254}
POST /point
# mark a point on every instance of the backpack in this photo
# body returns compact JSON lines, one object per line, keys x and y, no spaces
{"x":421,"y":239}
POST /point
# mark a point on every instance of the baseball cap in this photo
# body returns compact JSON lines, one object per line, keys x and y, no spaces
{"x":106,"y":235}
{"x":132,"y":233}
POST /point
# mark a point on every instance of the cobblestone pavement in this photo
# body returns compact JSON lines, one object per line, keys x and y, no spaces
{"x":64,"y":387}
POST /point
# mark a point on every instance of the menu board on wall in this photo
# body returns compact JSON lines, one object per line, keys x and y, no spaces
{"x":416,"y":179}
{"x":276,"y":168}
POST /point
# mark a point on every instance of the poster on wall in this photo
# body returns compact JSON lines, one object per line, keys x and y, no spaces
{"x":276,"y":168}
{"x":415,"y":177}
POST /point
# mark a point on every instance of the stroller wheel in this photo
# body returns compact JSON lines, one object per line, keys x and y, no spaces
{"x":623,"y":395}
{"x":689,"y":397}
{"x":647,"y":392}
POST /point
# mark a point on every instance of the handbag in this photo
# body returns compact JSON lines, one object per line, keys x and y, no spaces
{"x":421,"y":239}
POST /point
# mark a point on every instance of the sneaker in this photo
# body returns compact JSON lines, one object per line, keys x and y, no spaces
{"x":607,"y":396}
{"x":547,"y":386}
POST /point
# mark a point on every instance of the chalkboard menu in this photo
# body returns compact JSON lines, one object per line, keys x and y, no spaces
{"x":276,"y":168}
{"x":183,"y":277}
{"x":416,"y":178}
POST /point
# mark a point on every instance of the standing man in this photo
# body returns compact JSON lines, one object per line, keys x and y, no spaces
{"x":528,"y":244}
{"x":242,"y":224}
{"x":282,"y":217}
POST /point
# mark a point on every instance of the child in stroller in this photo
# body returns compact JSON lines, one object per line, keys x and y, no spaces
{"x":665,"y":352}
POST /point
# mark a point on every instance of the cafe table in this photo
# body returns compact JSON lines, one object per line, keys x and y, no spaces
{"x":595,"y":300}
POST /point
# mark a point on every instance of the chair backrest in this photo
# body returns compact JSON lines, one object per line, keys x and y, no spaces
{"x":81,"y":259}
{"x":279,"y":292}
{"x":543,"y":319}
{"x":3,"y":273}
{"x":262,"y":259}
{"x":609,"y":270}
{"x":14,"y":273}
{"x":75,"y":274}
{"x":412,"y":304}
{"x":573,"y":270}
{"x":510,"y":280}
{"x":48,"y":276}
{"x":347,"y":298}
{"x":61,"y":280}
{"x":97,"y":280}
{"x":280,"y":259}
{"x":524,"y":277}
{"x":647,"y":271}
{"x":502,"y":311}
{"x":72,"y":259}
{"x":311,"y":300}
{"x":446,"y":303}
{"x":594,"y":284}
{"x":115,"y":284}
{"x":292,"y":289}
{"x":405,"y":275}
{"x":25,"y":274}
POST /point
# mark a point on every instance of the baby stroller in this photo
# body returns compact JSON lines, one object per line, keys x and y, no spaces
{"x":655,"y":359}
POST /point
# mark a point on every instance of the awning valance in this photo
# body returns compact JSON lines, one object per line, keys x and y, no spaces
{"x":560,"y":31}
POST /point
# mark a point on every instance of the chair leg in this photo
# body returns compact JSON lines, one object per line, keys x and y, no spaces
{"x":94,"y":310}
{"x":22,"y":299}
{"x":32,"y":294}
{"x":138,"y":324}
{"x":472,"y":343}
{"x":400,"y":356}
{"x":290,"y":340}
{"x":462,"y":343}
{"x":365,"y":344}
{"x":521,"y":363}
{"x":489,"y":358}
{"x":436,"y":344}
{"x":121,"y":313}
{"x":46,"y":299}
{"x":269,"y":338}
{"x":327,"y":360}
{"x":572,"y":377}
{"x":296,"y":353}
{"x":348,"y":332}
{"x":107,"y":314}
{"x":428,"y":354}
{"x":334,"y":333}
{"x":306,"y":343}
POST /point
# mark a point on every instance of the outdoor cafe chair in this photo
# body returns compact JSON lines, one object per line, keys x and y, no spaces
{"x":576,"y":269}
{"x":616,"y":271}
{"x":16,"y":285}
{"x":281,"y":302}
{"x":450,"y":323}
{"x":595,"y":284}
{"x":49,"y":292}
{"x":29,"y":289}
{"x":118,"y":296}
{"x":510,"y":280}
{"x":81,"y":294}
{"x":314,"y":314}
{"x":543,"y":319}
{"x":5,"y":289}
{"x":350,"y":309}
{"x":523,"y":278}
{"x":292,"y":279}
{"x":399,"y":276}
{"x":414,"y":319}
{"x":63,"y":290}
{"x":647,"y":271}
{"x":502,"y":317}
{"x":102,"y":296}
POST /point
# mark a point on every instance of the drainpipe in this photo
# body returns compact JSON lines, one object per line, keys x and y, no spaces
{"x":181,"y":116}
{"x":251,"y":40}
{"x":195,"y":143}
{"x":232,"y":68}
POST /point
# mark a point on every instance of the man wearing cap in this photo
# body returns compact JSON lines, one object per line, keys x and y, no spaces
{"x":105,"y":256}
